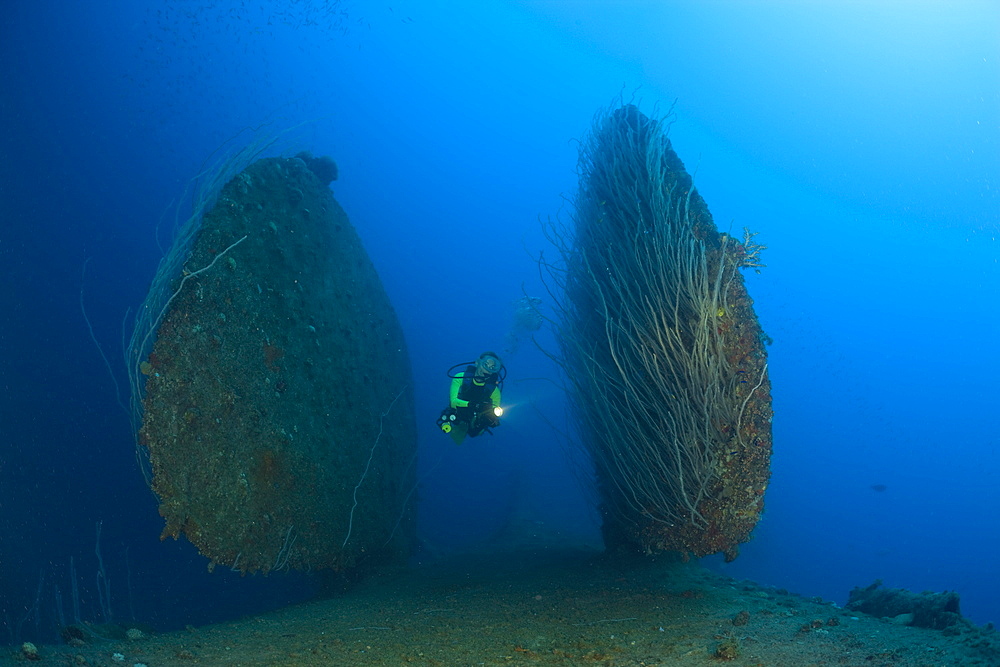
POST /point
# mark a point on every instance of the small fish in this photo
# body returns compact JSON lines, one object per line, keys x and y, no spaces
{"x":878,"y":488}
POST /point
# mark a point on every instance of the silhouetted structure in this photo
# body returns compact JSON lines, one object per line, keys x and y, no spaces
{"x":277,"y":408}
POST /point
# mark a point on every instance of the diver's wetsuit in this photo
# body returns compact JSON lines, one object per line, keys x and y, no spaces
{"x":471,"y":397}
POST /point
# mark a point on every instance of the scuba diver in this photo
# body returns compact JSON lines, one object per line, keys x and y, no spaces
{"x":475,"y":398}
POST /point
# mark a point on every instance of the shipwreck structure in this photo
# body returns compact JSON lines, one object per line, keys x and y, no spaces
{"x":664,"y":356}
{"x":271,"y":382}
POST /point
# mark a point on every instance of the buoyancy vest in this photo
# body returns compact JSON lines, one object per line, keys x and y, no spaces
{"x":476,"y":393}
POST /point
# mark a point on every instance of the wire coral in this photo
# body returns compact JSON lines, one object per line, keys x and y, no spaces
{"x":663,"y":353}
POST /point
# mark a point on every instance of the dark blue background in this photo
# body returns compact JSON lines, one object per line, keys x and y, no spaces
{"x":861,"y":141}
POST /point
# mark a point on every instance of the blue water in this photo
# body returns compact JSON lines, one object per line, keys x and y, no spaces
{"x":861,"y":140}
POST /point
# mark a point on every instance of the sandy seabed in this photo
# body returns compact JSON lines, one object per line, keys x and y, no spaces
{"x":550,"y":608}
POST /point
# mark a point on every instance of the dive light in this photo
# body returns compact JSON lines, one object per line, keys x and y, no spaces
{"x":498,"y":411}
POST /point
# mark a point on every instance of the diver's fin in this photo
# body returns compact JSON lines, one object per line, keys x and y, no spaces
{"x":458,"y":431}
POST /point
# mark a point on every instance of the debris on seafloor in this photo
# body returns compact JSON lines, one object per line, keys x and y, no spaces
{"x":922,"y":610}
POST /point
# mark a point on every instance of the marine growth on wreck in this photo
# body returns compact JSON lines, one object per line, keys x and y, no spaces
{"x":276,"y":401}
{"x":664,"y":355}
